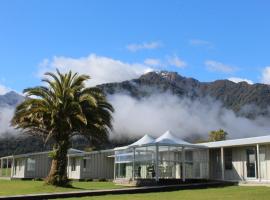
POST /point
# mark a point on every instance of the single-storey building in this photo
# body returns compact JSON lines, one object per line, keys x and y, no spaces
{"x":157,"y":159}
{"x":91,"y":165}
{"x":245,"y":160}
{"x":168,"y":157}
{"x":81,"y":165}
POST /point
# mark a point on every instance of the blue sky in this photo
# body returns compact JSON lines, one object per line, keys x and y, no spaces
{"x":116,"y":40}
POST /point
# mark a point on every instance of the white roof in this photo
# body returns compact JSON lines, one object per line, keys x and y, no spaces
{"x":238,"y":142}
{"x":166,"y":139}
{"x":70,"y":151}
{"x":146,"y":139}
{"x":169,"y":138}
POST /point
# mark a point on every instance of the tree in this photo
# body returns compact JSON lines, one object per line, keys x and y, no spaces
{"x":60,"y":110}
{"x":217,"y":135}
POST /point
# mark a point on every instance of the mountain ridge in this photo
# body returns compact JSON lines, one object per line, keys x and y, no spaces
{"x":233,"y":95}
{"x":244,"y":99}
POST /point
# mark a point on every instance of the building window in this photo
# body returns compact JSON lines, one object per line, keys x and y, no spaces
{"x":73,"y":164}
{"x":189,"y":156}
{"x":228,"y":159}
{"x":31,"y":164}
{"x":84,"y":164}
{"x":15,"y":166}
{"x":20,"y":164}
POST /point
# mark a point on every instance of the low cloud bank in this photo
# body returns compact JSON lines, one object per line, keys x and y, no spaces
{"x":6,"y":114}
{"x":185,"y":117}
{"x":160,"y":112}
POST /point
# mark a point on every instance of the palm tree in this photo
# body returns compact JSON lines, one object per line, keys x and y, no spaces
{"x":60,"y":110}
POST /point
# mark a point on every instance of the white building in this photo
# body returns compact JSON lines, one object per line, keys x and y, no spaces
{"x":81,"y":165}
{"x":150,"y":160}
{"x":168,"y":158}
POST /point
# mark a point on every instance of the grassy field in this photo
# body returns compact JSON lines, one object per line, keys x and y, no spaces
{"x":231,"y":193}
{"x":16,"y":187}
{"x":5,"y":172}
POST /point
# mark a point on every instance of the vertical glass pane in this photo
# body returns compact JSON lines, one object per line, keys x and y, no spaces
{"x":251,"y":162}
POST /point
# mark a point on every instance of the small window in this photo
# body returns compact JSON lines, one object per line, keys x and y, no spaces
{"x":20,"y":164}
{"x":31,"y":164}
{"x":73,"y":164}
{"x":15,"y":166}
{"x":84,"y":164}
{"x":189,"y":156}
{"x":228,"y":159}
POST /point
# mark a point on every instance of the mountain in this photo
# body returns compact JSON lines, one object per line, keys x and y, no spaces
{"x":234,"y":96}
{"x":10,"y":99}
{"x":244,"y":99}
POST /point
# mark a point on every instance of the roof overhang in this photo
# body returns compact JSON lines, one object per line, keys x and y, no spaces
{"x":238,"y":142}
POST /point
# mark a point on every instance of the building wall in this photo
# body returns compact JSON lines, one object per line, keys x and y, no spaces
{"x":19,"y":169}
{"x":200,"y":165}
{"x":238,"y":171}
{"x":98,"y":166}
{"x":265,"y":162}
{"x":42,"y":166}
{"x":76,"y":172}
{"x":239,"y":161}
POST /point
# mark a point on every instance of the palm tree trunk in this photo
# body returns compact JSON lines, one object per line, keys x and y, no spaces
{"x":58,"y":171}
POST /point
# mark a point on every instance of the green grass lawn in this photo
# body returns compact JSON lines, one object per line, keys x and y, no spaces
{"x":16,"y":187}
{"x":227,"y":193}
{"x":6,"y":172}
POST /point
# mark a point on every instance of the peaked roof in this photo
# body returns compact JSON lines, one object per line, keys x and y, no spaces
{"x":169,"y":138}
{"x":166,"y":139}
{"x":146,"y":139}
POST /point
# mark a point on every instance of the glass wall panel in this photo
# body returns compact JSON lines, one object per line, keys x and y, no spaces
{"x":145,"y":162}
{"x":124,"y":163}
{"x":168,"y":170}
{"x":123,"y":170}
{"x":124,"y":156}
{"x":169,"y":162}
{"x":145,"y":170}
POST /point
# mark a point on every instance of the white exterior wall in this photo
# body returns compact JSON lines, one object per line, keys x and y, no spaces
{"x":239,"y":161}
{"x":19,"y":170}
{"x":265,"y":162}
{"x":42,"y":166}
{"x":238,"y":171}
{"x":200,"y":164}
{"x":98,"y":166}
{"x":76,"y":173}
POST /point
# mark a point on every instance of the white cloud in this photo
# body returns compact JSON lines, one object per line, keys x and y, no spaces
{"x":6,"y":114}
{"x":145,"y":45}
{"x":266,"y":75}
{"x":162,"y":111}
{"x":101,"y":69}
{"x":152,"y":62}
{"x":4,"y":89}
{"x":199,"y":42}
{"x":237,"y":80}
{"x":176,"y":61}
{"x":215,"y":66}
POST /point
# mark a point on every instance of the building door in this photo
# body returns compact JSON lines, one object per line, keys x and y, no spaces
{"x":251,"y":162}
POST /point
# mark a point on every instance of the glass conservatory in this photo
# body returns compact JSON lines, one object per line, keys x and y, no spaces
{"x":166,"y":157}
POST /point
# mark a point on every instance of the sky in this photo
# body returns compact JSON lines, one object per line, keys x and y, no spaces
{"x":119,"y":40}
